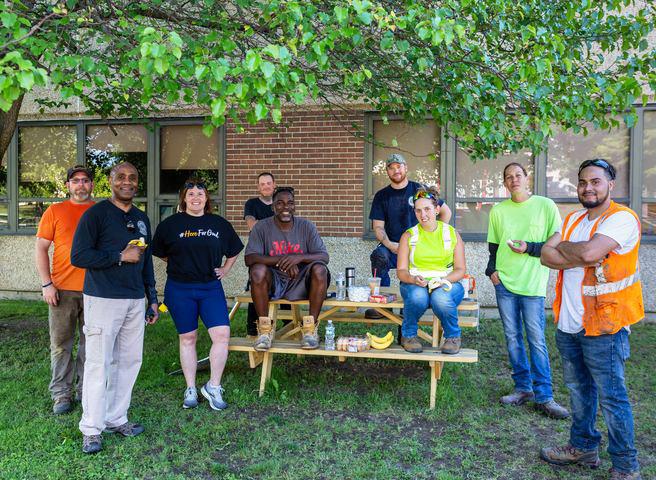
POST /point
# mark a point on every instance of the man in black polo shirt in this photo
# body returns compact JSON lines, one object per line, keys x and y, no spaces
{"x":392,"y":213}
{"x":118,"y":277}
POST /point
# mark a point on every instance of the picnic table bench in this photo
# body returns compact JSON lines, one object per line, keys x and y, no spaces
{"x":347,"y":311}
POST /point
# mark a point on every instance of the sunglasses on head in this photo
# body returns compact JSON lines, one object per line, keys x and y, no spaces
{"x":601,"y":163}
{"x":423,"y":194}
{"x":200,"y":185}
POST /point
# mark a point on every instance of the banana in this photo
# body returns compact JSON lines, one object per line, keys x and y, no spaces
{"x":141,"y":242}
{"x":381,"y":343}
{"x":384,"y":339}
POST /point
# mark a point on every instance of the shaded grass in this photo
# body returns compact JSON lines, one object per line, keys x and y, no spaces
{"x":319,"y":418}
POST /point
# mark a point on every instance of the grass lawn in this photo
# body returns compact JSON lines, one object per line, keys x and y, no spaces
{"x":319,"y":419}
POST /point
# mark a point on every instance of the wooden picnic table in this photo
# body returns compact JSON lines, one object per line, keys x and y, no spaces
{"x":347,"y":311}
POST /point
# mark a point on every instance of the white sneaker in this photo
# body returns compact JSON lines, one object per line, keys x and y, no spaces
{"x":214,"y":396}
{"x":190,"y":398}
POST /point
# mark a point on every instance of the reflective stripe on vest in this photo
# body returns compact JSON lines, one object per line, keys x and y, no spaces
{"x":611,"y":287}
{"x":414,"y":238}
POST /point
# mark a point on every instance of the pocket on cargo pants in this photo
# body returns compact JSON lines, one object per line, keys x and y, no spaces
{"x":94,"y":344}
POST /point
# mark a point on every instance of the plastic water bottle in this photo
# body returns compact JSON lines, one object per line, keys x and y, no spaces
{"x":340,"y":285}
{"x":330,"y":336}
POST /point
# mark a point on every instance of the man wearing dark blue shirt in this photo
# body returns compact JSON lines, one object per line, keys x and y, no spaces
{"x":119,"y":274}
{"x":392,"y":213}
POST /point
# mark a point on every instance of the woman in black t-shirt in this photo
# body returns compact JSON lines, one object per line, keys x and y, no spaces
{"x":194,"y":243}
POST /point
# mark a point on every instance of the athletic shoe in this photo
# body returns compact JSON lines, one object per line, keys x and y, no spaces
{"x":91,"y":443}
{"x":190,"y":398}
{"x":214,"y":396}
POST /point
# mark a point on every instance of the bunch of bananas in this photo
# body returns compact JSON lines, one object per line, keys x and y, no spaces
{"x":140,"y":242}
{"x":380,"y":343}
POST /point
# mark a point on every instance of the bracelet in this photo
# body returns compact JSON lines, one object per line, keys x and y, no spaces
{"x":47,"y":284}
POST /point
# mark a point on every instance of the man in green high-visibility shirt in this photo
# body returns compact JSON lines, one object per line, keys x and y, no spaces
{"x":518,"y":228}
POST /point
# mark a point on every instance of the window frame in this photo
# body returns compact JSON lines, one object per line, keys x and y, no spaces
{"x":152,"y":199}
{"x":368,"y":191}
{"x":448,"y":147}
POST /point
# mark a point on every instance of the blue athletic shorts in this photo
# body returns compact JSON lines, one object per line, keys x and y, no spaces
{"x":186,"y":301}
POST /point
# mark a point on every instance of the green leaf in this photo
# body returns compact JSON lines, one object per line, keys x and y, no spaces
{"x":175,"y":39}
{"x":25,"y":79}
{"x":276,"y":115}
{"x":218,"y":107}
{"x":200,"y":72}
{"x":341,"y":14}
{"x":8,"y":19}
{"x":252,"y":61}
{"x":260,"y":111}
{"x":208,"y":130}
{"x":268,"y":69}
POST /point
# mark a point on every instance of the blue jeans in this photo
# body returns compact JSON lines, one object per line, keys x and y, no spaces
{"x":594,"y":373}
{"x":519,"y":311}
{"x":416,"y":301}
{"x":382,"y":261}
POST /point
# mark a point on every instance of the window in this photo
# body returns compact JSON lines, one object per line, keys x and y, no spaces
{"x":108,"y":145}
{"x":649,"y":174}
{"x":567,"y":151}
{"x":479,"y":186}
{"x":44,"y":155}
{"x":186,"y":151}
{"x":43,"y":152}
{"x":420,"y":145}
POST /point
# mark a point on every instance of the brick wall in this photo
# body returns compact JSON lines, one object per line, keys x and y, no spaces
{"x":313,"y":153}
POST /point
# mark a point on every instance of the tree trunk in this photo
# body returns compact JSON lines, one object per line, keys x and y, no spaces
{"x":8,"y":126}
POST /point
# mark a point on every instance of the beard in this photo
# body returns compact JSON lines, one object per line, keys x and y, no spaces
{"x":594,"y":203}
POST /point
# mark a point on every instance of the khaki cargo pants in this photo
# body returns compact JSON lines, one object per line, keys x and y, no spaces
{"x":114,"y":331}
{"x":64,"y":320}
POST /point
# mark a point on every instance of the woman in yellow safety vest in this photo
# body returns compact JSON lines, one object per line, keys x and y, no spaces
{"x":431,"y":263}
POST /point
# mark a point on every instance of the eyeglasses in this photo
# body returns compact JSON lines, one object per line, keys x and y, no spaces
{"x":129,"y":224}
{"x":200,"y":185}
{"x":78,"y":181}
{"x":601,"y":163}
{"x":423,"y":194}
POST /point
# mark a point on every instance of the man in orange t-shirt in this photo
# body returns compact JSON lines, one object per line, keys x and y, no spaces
{"x":62,"y":287}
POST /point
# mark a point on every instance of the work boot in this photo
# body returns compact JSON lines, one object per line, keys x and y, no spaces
{"x":617,"y":475}
{"x":91,"y":443}
{"x":128,"y":429}
{"x":451,"y":346}
{"x":62,"y":405}
{"x":265,"y":330}
{"x":411,"y":344}
{"x":553,"y":410}
{"x":517,"y":398}
{"x":373,"y":314}
{"x":310,"y":339}
{"x":569,"y":455}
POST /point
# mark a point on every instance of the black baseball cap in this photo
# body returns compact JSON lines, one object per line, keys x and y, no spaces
{"x":78,"y":168}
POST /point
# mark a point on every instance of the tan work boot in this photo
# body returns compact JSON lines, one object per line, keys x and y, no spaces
{"x":568,"y":455}
{"x":310,"y":339}
{"x":411,"y":344}
{"x":451,"y":346}
{"x":265,"y":329}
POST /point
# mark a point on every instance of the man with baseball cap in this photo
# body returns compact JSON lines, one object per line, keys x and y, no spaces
{"x":392,"y":213}
{"x":61,"y":287}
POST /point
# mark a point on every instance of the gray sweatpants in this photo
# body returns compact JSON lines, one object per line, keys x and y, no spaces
{"x":114,"y":331}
